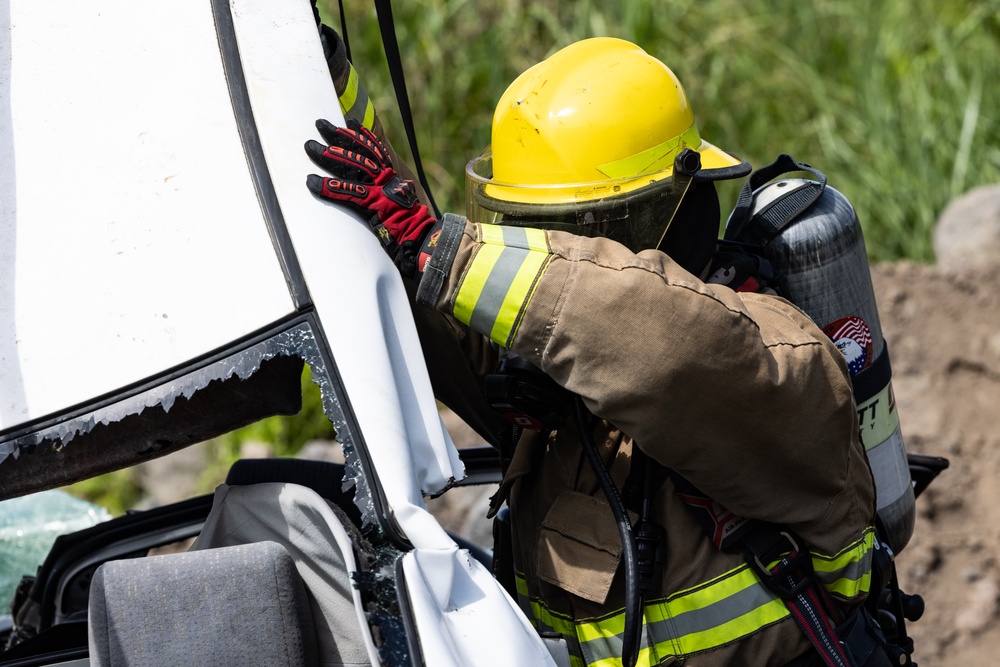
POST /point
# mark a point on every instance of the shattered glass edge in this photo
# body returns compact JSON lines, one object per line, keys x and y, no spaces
{"x":299,"y":341}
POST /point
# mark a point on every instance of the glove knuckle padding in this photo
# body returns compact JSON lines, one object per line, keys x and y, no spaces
{"x":344,"y":164}
{"x":337,"y":189}
{"x":363,"y":179}
{"x":401,"y":192}
{"x":375,"y":145}
{"x":371,"y":165}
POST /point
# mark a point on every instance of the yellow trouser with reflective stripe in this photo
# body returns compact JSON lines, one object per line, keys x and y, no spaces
{"x":726,"y":609}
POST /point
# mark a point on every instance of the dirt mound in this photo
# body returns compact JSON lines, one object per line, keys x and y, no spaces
{"x":943,"y":329}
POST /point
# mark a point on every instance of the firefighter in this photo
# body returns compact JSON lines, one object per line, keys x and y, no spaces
{"x":589,"y":236}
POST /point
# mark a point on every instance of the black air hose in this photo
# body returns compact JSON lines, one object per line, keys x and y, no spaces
{"x":633,"y":597}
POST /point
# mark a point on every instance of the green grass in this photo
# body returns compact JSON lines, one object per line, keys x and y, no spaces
{"x":896,"y":100}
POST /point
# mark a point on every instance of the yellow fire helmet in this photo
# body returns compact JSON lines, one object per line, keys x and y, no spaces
{"x":587,"y":140}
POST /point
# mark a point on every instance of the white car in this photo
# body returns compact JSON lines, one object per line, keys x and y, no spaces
{"x":164,"y":276}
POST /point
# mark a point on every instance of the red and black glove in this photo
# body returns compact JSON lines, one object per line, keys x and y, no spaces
{"x":363,"y":180}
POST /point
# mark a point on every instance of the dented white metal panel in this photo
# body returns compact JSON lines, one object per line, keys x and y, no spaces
{"x":131,"y":237}
{"x":356,"y":290}
{"x":462,"y":615}
{"x":457,"y":605}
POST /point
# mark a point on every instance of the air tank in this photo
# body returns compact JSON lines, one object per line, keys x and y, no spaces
{"x":820,"y":258}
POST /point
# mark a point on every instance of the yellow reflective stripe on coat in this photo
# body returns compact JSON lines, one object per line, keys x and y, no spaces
{"x":501,"y":279}
{"x":354,"y":101}
{"x":848,"y":574}
{"x":723,"y":610}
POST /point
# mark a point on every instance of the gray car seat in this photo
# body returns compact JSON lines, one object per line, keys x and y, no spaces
{"x":232,"y":606}
{"x":323,"y":544}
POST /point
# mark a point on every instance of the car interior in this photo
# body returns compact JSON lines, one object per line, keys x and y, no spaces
{"x":52,"y":606}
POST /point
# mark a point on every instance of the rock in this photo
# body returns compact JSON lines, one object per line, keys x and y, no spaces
{"x":967,"y":232}
{"x":980,"y":609}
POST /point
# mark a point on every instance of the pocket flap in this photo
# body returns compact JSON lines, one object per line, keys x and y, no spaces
{"x":580,"y":548}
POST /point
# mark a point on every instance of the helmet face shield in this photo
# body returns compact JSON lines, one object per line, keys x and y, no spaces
{"x":636,"y":215}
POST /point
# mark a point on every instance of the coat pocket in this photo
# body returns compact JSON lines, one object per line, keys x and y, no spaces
{"x":579,"y":546}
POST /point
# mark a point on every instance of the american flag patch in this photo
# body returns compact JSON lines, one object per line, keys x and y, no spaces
{"x":853,"y":338}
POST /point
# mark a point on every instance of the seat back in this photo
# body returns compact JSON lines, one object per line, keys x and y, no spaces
{"x":231,"y":606}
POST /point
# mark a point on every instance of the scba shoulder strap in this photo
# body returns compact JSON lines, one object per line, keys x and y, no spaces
{"x":772,"y":219}
{"x":740,"y":258}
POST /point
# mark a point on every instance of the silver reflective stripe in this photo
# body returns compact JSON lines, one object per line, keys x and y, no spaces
{"x":708,"y":618}
{"x":359,"y":111}
{"x":354,"y":102}
{"x":673,"y":635}
{"x":495,"y":290}
{"x":853,"y":571}
{"x":515,"y":237}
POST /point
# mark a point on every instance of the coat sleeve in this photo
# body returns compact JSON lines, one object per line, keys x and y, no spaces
{"x":740,"y":393}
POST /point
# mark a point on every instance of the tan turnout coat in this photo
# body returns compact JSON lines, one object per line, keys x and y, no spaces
{"x":741,"y":394}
